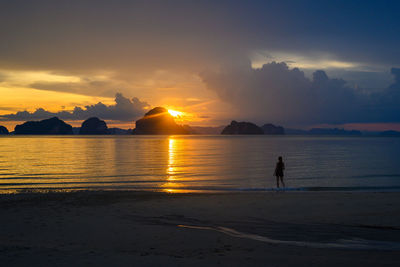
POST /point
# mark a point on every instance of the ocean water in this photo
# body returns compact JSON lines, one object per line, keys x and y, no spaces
{"x":197,"y":163}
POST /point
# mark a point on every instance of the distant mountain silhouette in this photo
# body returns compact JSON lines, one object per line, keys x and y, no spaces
{"x":111,"y":131}
{"x":272,"y":129}
{"x":206,"y":130}
{"x":119,"y":131}
{"x":3,"y":130}
{"x":158,"y":121}
{"x":49,"y":126}
{"x":334,"y":131}
{"x":93,"y":126}
{"x":389,"y":133}
{"x":75,"y":130}
{"x":242,"y":128}
{"x":323,"y":131}
{"x":291,"y":131}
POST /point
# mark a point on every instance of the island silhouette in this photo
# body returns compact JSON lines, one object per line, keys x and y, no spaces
{"x":94,"y":126}
{"x":159,"y":121}
{"x":242,"y":128}
{"x":52,"y":126}
{"x":3,"y":130}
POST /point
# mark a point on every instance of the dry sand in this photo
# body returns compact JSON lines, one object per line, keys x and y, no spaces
{"x":235,"y":229}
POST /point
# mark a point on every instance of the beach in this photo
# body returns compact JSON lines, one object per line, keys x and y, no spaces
{"x":132,"y":228}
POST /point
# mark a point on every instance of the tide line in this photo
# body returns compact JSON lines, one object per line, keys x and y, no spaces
{"x":356,"y":244}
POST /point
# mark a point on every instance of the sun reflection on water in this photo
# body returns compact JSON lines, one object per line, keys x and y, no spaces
{"x":171,"y":186}
{"x":171,"y":159}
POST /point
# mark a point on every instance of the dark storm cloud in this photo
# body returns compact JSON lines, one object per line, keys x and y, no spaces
{"x":367,"y":80}
{"x":385,"y":106}
{"x":276,"y":93}
{"x":127,"y":35}
{"x":124,"y":109}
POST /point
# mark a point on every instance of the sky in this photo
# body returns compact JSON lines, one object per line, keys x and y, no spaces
{"x":293,"y":63}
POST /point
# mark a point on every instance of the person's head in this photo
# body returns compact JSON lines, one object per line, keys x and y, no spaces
{"x":280,"y":158}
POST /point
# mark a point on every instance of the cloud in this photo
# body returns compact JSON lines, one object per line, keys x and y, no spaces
{"x":124,"y":109}
{"x":134,"y":40}
{"x":3,"y":77}
{"x":135,"y":35}
{"x":384,"y":106}
{"x":276,"y":93}
{"x":93,"y":88}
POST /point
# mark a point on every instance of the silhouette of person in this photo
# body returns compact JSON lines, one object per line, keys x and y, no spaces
{"x":280,"y":166}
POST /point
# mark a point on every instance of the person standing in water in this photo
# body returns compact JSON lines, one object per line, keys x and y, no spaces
{"x":280,"y":166}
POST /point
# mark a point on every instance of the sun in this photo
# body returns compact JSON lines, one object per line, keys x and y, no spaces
{"x":174,"y":113}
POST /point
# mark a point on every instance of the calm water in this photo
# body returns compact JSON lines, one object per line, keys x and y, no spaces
{"x":187,"y":163}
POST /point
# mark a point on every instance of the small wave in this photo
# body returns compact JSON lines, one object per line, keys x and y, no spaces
{"x":357,"y":244}
{"x":376,"y":176}
{"x":325,"y":188}
{"x":296,"y":189}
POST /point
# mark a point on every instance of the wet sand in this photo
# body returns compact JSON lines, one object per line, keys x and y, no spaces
{"x":232,"y":229}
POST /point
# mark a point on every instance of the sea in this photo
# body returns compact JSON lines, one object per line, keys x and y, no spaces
{"x":198,"y":163}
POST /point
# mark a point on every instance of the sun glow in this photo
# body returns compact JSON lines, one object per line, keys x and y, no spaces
{"x":175,"y":113}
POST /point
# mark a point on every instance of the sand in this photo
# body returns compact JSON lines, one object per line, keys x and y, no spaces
{"x":232,"y":229}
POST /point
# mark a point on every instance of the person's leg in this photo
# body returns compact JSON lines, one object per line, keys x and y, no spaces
{"x":283,"y":183}
{"x":277,"y":181}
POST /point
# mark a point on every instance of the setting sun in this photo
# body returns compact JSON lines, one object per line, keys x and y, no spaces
{"x":174,"y":113}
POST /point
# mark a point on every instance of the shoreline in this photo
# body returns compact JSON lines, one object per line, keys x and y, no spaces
{"x":205,"y":190}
